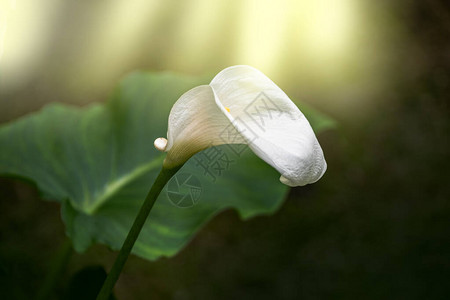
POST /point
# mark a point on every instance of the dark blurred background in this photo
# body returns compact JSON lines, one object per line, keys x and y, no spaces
{"x":376,"y":226}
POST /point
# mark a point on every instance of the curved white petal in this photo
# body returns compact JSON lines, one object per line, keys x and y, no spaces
{"x":242,"y":105}
{"x":273,"y":126}
{"x":195,"y":123}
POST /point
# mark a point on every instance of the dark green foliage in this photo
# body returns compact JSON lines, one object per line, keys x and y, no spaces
{"x":99,"y":162}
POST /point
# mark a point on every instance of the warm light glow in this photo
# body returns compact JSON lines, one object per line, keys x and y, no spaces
{"x":116,"y":37}
{"x":25,"y":32}
{"x":263,"y":32}
{"x":321,"y":29}
{"x":197,"y":32}
{"x":325,"y":48}
{"x":328,"y":27}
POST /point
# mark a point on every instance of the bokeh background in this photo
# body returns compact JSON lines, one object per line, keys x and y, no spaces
{"x":376,"y":226}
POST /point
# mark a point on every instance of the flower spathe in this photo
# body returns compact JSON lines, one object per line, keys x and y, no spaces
{"x":243,"y":106}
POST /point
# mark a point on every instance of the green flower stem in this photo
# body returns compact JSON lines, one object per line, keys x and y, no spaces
{"x":163,"y":177}
{"x":57,"y":268}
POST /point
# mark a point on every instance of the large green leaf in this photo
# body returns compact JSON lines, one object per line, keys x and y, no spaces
{"x":99,"y":162}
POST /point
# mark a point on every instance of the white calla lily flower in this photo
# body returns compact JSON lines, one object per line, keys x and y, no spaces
{"x":243,"y":106}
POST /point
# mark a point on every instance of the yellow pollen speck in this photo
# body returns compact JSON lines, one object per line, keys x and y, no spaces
{"x":228,"y":110}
